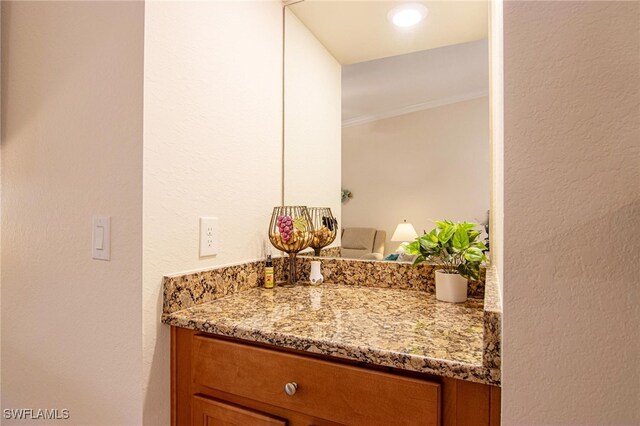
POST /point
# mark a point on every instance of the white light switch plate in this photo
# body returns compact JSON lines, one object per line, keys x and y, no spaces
{"x":209,"y":236}
{"x":101,"y":238}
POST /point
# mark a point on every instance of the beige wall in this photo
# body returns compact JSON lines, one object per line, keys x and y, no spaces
{"x":212,"y":147}
{"x":1,"y":120}
{"x":72,"y":148}
{"x":312,"y":121}
{"x":572,"y":212}
{"x":496,"y":99}
{"x":428,"y":165}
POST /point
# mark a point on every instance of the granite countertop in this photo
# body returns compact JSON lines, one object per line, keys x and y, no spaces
{"x":392,"y":327}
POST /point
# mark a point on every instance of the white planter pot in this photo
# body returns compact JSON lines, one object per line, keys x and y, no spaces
{"x":451,"y":287}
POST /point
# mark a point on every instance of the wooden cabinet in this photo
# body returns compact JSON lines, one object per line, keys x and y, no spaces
{"x":219,"y":381}
{"x":210,"y":412}
{"x":323,"y":389}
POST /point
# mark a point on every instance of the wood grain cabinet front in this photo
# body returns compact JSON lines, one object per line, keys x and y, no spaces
{"x":336,"y":392}
{"x":222,"y":382}
{"x":211,"y":412}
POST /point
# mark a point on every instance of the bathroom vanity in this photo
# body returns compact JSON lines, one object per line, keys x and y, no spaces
{"x":332,"y":354}
{"x":406,"y":127}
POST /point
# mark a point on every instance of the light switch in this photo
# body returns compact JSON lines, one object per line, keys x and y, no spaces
{"x":101,"y":236}
{"x":209,"y":236}
{"x":98,"y":241}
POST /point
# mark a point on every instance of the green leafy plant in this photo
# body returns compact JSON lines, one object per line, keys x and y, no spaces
{"x":454,"y":247}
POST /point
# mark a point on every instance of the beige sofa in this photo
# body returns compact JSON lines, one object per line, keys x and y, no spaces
{"x":362,"y":243}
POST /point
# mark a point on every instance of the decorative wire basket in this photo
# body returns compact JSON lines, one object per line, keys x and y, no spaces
{"x":291,"y":231}
{"x":325,"y":228}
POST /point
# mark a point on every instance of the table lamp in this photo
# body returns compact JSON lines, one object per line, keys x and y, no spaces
{"x":404,"y":233}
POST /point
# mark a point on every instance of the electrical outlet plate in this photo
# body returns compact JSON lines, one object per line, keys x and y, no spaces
{"x":209,"y":237}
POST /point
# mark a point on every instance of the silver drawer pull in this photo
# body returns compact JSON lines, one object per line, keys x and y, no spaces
{"x":291,"y":388}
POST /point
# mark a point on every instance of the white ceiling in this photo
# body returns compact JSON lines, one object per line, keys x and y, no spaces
{"x":401,"y":84}
{"x":356,"y":31}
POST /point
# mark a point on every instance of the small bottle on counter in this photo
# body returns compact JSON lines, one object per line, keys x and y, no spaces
{"x":269,"y":279}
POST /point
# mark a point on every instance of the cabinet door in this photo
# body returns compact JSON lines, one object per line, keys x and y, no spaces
{"x":211,"y":412}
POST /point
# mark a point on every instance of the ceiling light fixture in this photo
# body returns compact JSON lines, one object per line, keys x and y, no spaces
{"x":407,"y":15}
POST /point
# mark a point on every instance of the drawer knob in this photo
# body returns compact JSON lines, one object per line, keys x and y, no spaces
{"x":291,"y":388}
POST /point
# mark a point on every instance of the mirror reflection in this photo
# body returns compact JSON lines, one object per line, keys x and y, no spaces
{"x":386,"y":114}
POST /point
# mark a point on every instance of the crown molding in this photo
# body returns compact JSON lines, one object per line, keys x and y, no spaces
{"x":286,"y":3}
{"x":414,"y":108}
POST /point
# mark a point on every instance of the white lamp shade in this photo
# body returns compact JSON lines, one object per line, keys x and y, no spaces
{"x":404,"y":232}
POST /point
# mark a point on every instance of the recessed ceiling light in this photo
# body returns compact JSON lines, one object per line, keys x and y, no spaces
{"x":407,"y":15}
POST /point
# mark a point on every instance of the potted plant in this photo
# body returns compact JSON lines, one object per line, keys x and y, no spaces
{"x":456,"y":249}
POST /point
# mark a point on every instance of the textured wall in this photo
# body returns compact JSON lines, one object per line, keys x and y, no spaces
{"x":0,"y":211}
{"x":427,"y":165}
{"x":212,"y":146}
{"x":72,"y":148}
{"x":572,"y":213}
{"x":312,"y":121}
{"x":496,"y":99}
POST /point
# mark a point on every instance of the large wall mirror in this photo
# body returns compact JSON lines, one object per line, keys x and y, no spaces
{"x":386,"y":116}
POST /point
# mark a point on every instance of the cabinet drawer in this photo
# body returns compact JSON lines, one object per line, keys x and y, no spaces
{"x":333,"y":391}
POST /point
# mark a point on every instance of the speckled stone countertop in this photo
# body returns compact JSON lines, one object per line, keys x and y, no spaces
{"x":405,"y":329}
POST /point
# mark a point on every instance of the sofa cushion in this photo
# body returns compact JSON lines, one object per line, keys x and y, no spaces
{"x":358,"y":239}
